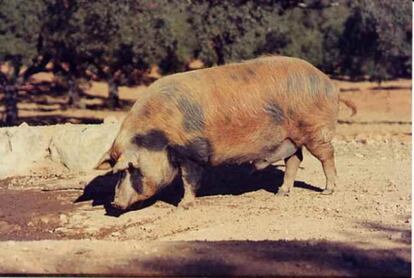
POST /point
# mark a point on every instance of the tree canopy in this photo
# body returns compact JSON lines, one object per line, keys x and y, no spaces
{"x":119,"y":41}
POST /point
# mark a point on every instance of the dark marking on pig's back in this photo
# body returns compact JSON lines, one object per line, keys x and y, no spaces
{"x":193,"y":114}
{"x":315,"y":84}
{"x":330,"y":88}
{"x":294,"y":82}
{"x":154,"y":140}
{"x":244,"y":75}
{"x":275,"y":112}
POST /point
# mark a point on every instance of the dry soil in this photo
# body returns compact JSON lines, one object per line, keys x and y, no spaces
{"x":62,"y":223}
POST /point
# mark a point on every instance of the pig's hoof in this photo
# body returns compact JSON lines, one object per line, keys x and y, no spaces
{"x":327,"y":192}
{"x":186,"y":204}
{"x":282,"y":192}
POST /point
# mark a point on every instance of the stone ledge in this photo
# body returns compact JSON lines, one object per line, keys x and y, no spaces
{"x":75,"y":147}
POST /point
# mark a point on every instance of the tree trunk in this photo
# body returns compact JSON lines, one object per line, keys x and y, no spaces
{"x":10,"y":85}
{"x":10,"y":102}
{"x":218,"y":48}
{"x":73,"y":92}
{"x":113,"y":95}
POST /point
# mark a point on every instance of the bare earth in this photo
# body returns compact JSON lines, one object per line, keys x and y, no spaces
{"x":61,"y":223}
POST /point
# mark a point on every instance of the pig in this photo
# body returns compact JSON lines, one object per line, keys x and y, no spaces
{"x":258,"y":111}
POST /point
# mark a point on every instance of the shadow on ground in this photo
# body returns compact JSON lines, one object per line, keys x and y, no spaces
{"x":221,"y":180}
{"x":316,"y":258}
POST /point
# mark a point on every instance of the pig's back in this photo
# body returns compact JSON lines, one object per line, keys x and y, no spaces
{"x":243,"y":108}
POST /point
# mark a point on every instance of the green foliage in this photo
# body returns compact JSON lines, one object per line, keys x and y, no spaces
{"x":119,"y":41}
{"x":20,"y":45}
{"x":20,"y":30}
{"x":377,"y":40}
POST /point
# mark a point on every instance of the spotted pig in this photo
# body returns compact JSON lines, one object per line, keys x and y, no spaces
{"x":257,"y":111}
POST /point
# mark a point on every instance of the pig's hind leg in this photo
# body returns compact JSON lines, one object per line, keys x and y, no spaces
{"x":325,"y":153}
{"x":292,"y":155}
{"x":292,"y":165}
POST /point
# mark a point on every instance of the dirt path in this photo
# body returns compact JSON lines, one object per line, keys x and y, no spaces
{"x":367,"y":219}
{"x":62,"y":224}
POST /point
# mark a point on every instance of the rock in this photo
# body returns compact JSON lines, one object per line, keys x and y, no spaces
{"x":397,"y":236}
{"x":80,"y":149}
{"x":15,"y":145}
{"x":24,"y":124}
{"x":63,"y":219}
{"x":115,"y":234}
{"x":45,"y":219}
{"x":361,"y":138}
{"x":110,"y":120}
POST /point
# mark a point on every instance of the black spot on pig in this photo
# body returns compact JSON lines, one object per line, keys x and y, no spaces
{"x":234,"y":77}
{"x":192,"y":113}
{"x":250,"y":72}
{"x":315,"y":84}
{"x":135,"y":178}
{"x":193,"y":174}
{"x":291,"y":113}
{"x":154,"y":140}
{"x":248,"y":75}
{"x":294,"y":83}
{"x":198,"y":150}
{"x":275,"y":112}
{"x":330,"y":88}
{"x":146,"y":112}
{"x":170,"y":89}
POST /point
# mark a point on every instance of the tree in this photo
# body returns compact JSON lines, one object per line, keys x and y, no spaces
{"x":230,"y":30}
{"x":21,"y":45}
{"x":377,"y":40}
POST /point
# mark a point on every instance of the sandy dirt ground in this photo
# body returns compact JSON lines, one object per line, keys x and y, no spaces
{"x":61,"y":223}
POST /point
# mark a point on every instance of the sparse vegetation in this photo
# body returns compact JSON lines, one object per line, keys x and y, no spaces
{"x":118,"y":41}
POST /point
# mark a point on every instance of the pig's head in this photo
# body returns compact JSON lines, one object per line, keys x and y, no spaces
{"x":142,"y":171}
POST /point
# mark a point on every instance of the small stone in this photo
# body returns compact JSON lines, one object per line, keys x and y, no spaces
{"x":361,"y":138}
{"x":359,"y":155}
{"x":110,"y":120}
{"x":396,"y":236}
{"x":24,"y":124}
{"x":63,"y":218}
{"x":115,"y":234}
{"x":45,"y":219}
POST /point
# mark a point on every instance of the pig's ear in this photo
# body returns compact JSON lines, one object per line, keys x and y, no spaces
{"x":105,"y":162}
{"x":125,"y":161}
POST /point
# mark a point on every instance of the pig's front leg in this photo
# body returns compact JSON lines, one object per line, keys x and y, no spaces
{"x":191,"y":174}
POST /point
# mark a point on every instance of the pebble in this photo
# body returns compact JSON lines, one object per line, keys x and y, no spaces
{"x":45,"y":219}
{"x":24,"y":124}
{"x":63,"y":218}
{"x":110,"y":120}
{"x":115,"y":234}
{"x":396,"y":236}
